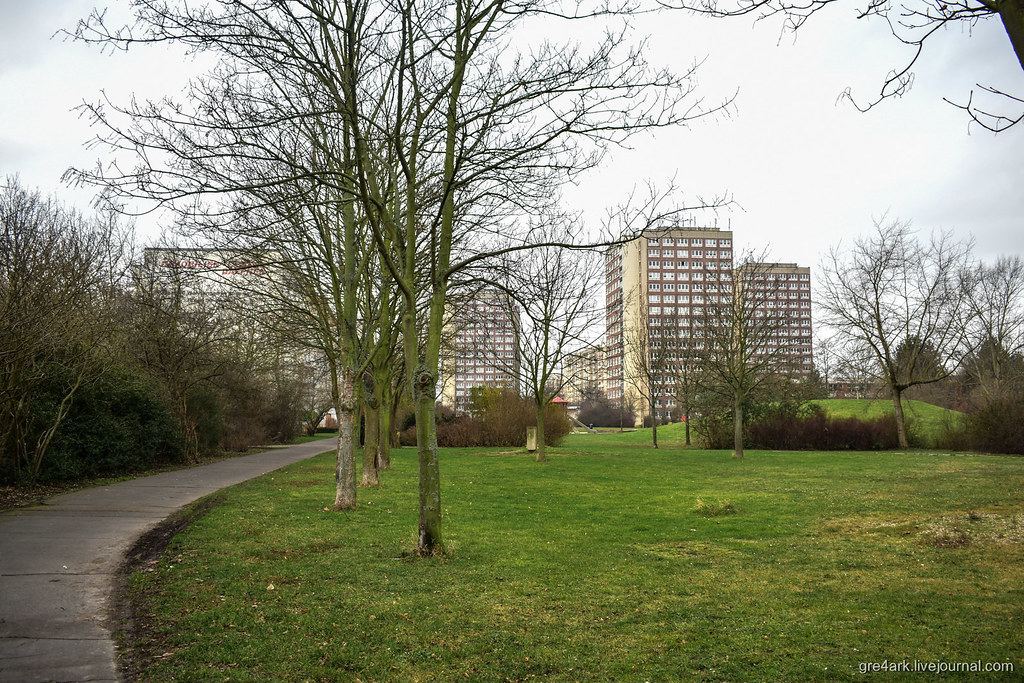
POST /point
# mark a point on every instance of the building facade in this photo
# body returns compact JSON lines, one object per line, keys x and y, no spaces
{"x":480,"y":349}
{"x":584,"y":372}
{"x":655,"y":285}
{"x":662,"y":291}
{"x":788,"y":298}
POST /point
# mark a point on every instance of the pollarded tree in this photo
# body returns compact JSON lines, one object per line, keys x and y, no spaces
{"x":899,"y":308}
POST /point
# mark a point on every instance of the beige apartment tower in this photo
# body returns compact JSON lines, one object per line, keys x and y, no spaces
{"x":658,"y":281}
{"x":664,"y":287}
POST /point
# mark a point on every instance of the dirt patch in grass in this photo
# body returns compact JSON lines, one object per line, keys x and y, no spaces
{"x":959,"y":530}
{"x":132,"y":627}
{"x":953,"y":530}
{"x":688,"y":549}
{"x":709,"y":509}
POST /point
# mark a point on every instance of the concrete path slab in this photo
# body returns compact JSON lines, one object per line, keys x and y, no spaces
{"x":58,"y":563}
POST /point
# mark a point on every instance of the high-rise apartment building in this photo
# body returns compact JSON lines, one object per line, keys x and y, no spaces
{"x":481,"y":348}
{"x":656,"y":282}
{"x":665,"y":290}
{"x":787,"y":295}
{"x":584,"y":373}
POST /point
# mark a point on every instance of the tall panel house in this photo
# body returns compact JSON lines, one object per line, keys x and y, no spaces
{"x":663,"y":289}
{"x":788,"y":291}
{"x":480,"y":348}
{"x":655,"y":285}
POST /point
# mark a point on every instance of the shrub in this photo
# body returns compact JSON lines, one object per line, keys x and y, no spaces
{"x":820,"y":433}
{"x":995,"y":428}
{"x":118,"y":423}
{"x":499,"y":418}
{"x":601,"y":413}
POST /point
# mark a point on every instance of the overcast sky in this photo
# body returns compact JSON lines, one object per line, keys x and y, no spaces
{"x":804,"y":170}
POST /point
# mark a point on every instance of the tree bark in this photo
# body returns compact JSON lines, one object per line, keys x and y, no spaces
{"x":737,"y":427}
{"x":541,"y":455}
{"x":430,"y":539}
{"x":371,"y":445}
{"x":345,"y":463}
{"x":1012,"y":14}
{"x":901,"y":424}
{"x":654,"y":425}
{"x":384,"y":431}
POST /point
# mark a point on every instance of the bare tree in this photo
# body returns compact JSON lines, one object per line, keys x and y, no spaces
{"x":553,"y":315}
{"x":650,"y":354}
{"x":996,"y":299}
{"x":59,"y":271}
{"x":745,"y":344}
{"x":437,"y":127}
{"x":899,"y":308}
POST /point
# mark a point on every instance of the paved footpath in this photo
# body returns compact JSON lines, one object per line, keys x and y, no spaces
{"x":58,"y":563}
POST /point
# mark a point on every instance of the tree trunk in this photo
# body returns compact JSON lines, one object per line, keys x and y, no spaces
{"x":345,"y":463}
{"x":654,"y":426}
{"x":541,"y":455}
{"x":430,"y":540}
{"x":395,"y":434}
{"x":686,"y":427}
{"x":901,"y":424}
{"x":371,"y":445}
{"x":737,"y":427}
{"x":1012,"y":14}
{"x":384,"y":431}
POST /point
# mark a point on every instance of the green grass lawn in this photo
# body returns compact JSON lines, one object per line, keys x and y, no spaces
{"x":610,"y":562}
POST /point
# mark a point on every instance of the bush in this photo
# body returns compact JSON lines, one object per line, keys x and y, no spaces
{"x":817,"y":432}
{"x":118,"y":423}
{"x":600,"y":412}
{"x":995,"y":428}
{"x":499,"y":418}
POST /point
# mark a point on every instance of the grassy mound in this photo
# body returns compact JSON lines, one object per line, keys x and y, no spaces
{"x":927,"y":422}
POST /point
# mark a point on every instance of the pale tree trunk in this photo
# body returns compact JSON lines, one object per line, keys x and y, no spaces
{"x":901,"y":423}
{"x":541,"y":455}
{"x":430,"y":541}
{"x":345,"y":464}
{"x":737,"y":426}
